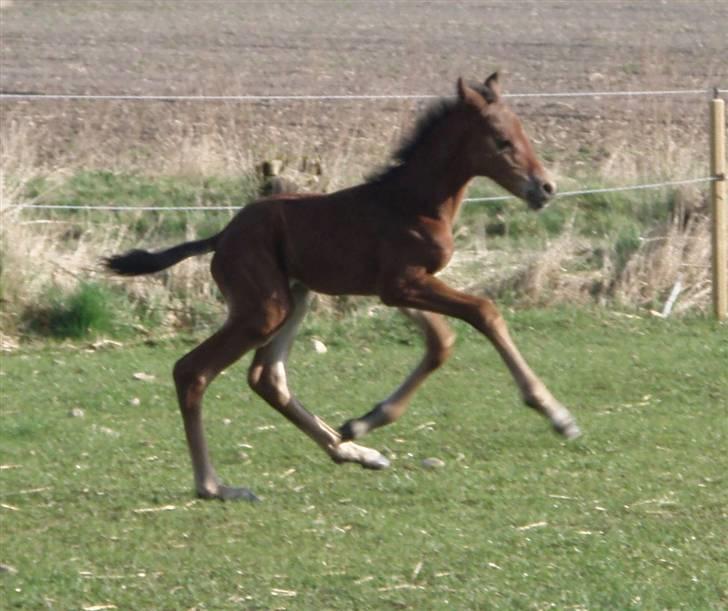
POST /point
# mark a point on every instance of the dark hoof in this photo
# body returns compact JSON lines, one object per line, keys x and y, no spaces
{"x":347,"y":431}
{"x":353,"y":429}
{"x":229,"y":493}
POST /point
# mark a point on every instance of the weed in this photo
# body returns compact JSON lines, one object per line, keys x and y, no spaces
{"x":88,"y":310}
{"x":627,"y":243}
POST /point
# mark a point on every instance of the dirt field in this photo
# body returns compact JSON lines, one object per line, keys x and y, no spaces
{"x":378,"y":47}
{"x":357,"y":47}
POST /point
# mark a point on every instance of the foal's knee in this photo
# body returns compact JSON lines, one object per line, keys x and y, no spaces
{"x":190,"y":384}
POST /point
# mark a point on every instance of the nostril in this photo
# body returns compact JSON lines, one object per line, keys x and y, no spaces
{"x":549,"y":188}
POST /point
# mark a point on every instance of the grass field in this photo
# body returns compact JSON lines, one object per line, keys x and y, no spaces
{"x":97,"y":511}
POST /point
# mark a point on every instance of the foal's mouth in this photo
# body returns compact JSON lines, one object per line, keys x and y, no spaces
{"x":537,"y":202}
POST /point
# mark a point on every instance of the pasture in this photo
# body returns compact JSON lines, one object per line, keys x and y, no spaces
{"x":97,"y":509}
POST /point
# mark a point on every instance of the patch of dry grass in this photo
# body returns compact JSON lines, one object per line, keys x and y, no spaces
{"x":678,"y":252}
{"x":39,"y":257}
{"x":224,"y":139}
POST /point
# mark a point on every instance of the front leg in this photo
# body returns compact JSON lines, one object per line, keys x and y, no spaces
{"x":415,"y":288}
{"x":439,"y":340}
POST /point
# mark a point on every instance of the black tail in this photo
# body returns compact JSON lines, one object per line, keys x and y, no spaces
{"x":140,"y":262}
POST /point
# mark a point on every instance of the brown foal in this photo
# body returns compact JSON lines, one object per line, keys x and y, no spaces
{"x":387,"y":237}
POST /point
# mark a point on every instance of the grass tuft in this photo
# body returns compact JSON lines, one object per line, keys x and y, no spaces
{"x":88,"y":310}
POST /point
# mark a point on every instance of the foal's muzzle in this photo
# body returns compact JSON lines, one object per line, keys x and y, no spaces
{"x":540,"y":192}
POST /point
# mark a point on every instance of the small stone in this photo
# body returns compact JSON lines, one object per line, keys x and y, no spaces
{"x":319,"y":346}
{"x":105,"y":343}
{"x":432,"y":463}
{"x":106,"y":431}
{"x":135,"y":402}
{"x":76,"y":412}
{"x":6,"y":568}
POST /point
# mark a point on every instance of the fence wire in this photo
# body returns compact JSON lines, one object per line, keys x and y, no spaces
{"x":30,"y":96}
{"x":495,"y":198}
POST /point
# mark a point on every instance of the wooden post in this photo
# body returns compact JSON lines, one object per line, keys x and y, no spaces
{"x":719,"y":206}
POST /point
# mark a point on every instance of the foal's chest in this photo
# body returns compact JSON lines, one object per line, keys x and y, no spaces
{"x":431,"y":244}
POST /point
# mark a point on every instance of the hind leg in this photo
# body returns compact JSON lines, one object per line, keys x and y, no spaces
{"x":193,"y":373}
{"x":267,"y":377}
{"x":439,"y":340}
{"x":259,"y":302}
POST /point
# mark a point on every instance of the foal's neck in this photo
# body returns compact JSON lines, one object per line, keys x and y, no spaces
{"x":437,"y":175}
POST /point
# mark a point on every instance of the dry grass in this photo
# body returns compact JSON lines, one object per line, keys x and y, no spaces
{"x":548,"y":277}
{"x":677,"y":253}
{"x":42,"y":257}
{"x":187,"y":139}
{"x":673,"y":252}
{"x":159,"y":139}
{"x":209,"y":139}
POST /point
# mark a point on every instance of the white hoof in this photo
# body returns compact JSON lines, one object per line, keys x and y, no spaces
{"x":368,"y":458}
{"x":568,"y":429}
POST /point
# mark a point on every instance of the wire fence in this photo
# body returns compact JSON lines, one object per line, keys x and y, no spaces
{"x":495,"y":198}
{"x":32,"y":96}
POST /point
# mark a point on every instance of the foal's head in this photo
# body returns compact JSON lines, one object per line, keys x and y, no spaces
{"x":497,"y":145}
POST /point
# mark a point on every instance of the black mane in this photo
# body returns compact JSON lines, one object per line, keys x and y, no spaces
{"x":426,"y":123}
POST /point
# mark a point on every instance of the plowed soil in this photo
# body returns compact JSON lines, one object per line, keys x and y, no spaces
{"x":374,"y":47}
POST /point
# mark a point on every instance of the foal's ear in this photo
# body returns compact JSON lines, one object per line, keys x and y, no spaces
{"x":492,"y":88}
{"x":469,"y":95}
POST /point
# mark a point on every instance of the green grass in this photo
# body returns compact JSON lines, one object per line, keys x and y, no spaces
{"x":89,"y":188}
{"x":610,"y":228}
{"x":89,"y":310}
{"x":99,"y":186}
{"x":633,"y":515}
{"x":600,"y":217}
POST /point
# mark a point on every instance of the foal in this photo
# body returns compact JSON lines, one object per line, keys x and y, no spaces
{"x":387,"y":237}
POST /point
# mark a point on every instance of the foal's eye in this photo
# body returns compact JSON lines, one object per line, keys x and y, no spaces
{"x":502,"y":144}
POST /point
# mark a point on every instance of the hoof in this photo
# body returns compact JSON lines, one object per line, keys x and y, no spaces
{"x":229,"y":493}
{"x":377,"y":463}
{"x":568,"y":429}
{"x":366,"y":457}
